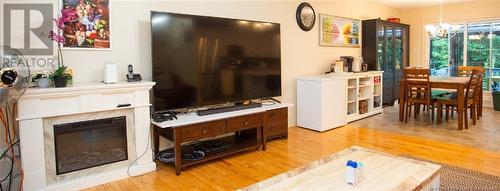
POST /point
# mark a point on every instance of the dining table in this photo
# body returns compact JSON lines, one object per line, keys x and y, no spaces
{"x":440,"y":82}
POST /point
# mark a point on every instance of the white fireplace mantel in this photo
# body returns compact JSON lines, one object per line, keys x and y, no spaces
{"x":38,"y":104}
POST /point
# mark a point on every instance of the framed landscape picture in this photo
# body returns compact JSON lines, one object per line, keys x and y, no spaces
{"x":90,"y":27}
{"x":339,"y":31}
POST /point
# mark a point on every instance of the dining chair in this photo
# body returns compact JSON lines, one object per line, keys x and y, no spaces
{"x":417,"y":91}
{"x":471,"y":94}
{"x":466,"y":71}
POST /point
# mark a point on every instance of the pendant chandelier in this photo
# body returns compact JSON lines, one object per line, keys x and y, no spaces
{"x":443,"y":29}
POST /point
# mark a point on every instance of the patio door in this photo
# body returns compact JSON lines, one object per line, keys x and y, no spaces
{"x":447,"y":53}
{"x":475,"y":44}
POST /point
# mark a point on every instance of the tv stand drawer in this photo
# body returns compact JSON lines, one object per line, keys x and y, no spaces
{"x":276,"y":128}
{"x":277,"y":114}
{"x":202,"y":130}
{"x":244,"y":122}
{"x":276,"y":123}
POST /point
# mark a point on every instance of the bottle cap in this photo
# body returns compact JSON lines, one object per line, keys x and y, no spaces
{"x":352,"y":164}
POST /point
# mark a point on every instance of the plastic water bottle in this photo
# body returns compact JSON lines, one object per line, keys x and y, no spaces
{"x":353,"y":172}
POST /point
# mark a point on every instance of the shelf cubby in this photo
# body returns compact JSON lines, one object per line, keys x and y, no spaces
{"x":352,"y":94}
{"x":365,"y":91}
{"x":352,"y":108}
{"x":352,"y":82}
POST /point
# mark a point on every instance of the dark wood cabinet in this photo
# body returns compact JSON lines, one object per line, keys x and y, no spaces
{"x":247,"y":130}
{"x":385,"y":48}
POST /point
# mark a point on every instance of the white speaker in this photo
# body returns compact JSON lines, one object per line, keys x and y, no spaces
{"x":111,"y":74}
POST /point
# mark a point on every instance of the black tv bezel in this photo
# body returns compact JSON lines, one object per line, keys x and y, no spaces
{"x":222,"y":18}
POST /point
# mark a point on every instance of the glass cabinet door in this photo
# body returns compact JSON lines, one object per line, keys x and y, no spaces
{"x":398,"y":59}
{"x":398,"y":51}
{"x":380,"y":47}
{"x":405,"y":40}
{"x":388,"y":65}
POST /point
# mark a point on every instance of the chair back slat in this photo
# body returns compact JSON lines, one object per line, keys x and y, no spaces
{"x":416,"y":74}
{"x":475,"y":83}
{"x":466,"y":71}
{"x":417,"y":85}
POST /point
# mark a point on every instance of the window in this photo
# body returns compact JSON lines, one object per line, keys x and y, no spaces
{"x":457,"y":49}
{"x":447,"y":53}
{"x":439,"y":57}
{"x":482,"y":40}
{"x":478,"y":48}
{"x":495,"y":51}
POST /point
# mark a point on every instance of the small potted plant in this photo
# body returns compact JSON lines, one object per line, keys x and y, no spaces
{"x":61,"y":76}
{"x":42,"y":79}
{"x":495,"y":91}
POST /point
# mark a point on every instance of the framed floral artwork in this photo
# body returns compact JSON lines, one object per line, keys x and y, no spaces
{"x":87,"y":24}
{"x":339,"y":31}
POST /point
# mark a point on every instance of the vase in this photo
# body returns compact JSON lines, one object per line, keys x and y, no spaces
{"x":60,"y":81}
{"x":43,"y":82}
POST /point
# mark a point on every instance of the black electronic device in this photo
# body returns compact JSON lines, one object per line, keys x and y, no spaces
{"x":200,"y":61}
{"x":348,"y":60}
{"x":164,"y":116}
{"x":234,"y":107}
{"x":168,"y":156}
{"x":8,"y":77}
{"x":195,"y":155}
{"x":212,"y":146}
{"x":131,"y":77}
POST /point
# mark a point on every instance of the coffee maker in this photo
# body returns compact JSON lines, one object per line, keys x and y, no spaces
{"x":347,"y":62}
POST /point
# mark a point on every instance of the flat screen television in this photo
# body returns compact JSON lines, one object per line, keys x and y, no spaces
{"x":199,"y":61}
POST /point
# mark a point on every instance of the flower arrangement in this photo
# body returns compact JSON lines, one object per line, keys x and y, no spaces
{"x":61,"y":74}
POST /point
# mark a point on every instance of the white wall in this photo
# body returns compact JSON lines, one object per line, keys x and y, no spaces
{"x":301,"y":53}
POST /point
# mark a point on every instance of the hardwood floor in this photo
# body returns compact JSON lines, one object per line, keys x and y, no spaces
{"x":302,"y":147}
{"x":485,"y":134}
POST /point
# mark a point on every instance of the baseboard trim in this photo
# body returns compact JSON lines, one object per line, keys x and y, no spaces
{"x":97,"y":179}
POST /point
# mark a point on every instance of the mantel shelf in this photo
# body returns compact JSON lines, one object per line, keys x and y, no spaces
{"x":85,"y":88}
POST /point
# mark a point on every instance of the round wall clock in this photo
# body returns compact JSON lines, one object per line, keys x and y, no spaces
{"x":306,"y":17}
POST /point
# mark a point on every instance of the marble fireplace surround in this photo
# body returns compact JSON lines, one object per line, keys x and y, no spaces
{"x":40,"y":109}
{"x":49,"y":147}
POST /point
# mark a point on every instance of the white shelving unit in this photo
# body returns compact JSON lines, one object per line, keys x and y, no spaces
{"x":369,"y":91}
{"x":330,"y":101}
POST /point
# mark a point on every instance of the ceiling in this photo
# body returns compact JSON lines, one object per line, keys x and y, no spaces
{"x":405,"y":4}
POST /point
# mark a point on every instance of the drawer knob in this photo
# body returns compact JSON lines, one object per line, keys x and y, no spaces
{"x":246,"y":123}
{"x":204,"y":131}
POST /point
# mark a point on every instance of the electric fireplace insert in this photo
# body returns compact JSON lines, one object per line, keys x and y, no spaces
{"x":87,"y":144}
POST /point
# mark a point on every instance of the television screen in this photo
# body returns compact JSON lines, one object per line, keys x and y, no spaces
{"x":200,"y":61}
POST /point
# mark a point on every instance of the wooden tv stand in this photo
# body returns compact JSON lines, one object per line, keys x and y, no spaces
{"x":248,"y":126}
